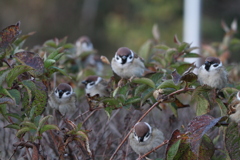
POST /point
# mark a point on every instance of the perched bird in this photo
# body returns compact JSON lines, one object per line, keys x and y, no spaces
{"x":144,"y":138}
{"x":127,"y":64}
{"x":236,"y":116}
{"x":95,"y":85}
{"x":83,"y":44}
{"x":212,"y":73}
{"x":63,"y":99}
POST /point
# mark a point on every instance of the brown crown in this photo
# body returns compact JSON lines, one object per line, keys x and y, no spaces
{"x":64,"y":87}
{"x":123,"y":51}
{"x":212,"y":59}
{"x":91,"y":78}
{"x":141,"y":129}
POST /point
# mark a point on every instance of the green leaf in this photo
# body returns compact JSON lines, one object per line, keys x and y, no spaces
{"x":162,"y":46}
{"x":133,"y":100}
{"x":38,"y":91}
{"x":168,"y":84}
{"x":140,"y":89}
{"x":15,"y":115}
{"x":222,"y":107}
{"x":44,"y":120}
{"x":3,"y":75}
{"x":3,"y":110}
{"x":4,"y":92}
{"x":16,"y":95}
{"x":13,"y":126}
{"x":16,"y":71}
{"x":48,"y":127}
{"x":232,"y":140}
{"x":146,"y":81}
{"x":82,"y":134}
{"x":121,"y":90}
{"x":169,"y":54}
{"x":145,"y":50}
{"x":22,"y":131}
{"x":59,"y":56}
{"x":49,"y":62}
{"x":191,"y":55}
{"x":202,"y":105}
{"x":171,"y":153}
{"x":54,"y":53}
{"x":228,"y":92}
{"x":183,"y":46}
{"x":111,"y":101}
{"x":50,"y":43}
{"x":29,"y":124}
{"x":147,"y":94}
{"x":53,"y":69}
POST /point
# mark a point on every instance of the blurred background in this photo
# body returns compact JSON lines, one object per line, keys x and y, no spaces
{"x":112,"y":24}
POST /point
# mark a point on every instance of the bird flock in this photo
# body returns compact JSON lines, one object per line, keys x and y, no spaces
{"x":127,"y":65}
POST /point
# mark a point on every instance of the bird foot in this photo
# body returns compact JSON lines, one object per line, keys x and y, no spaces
{"x":121,"y":83}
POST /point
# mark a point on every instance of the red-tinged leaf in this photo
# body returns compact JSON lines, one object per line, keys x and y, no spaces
{"x":33,"y":60}
{"x":198,"y":127}
{"x":232,"y":140}
{"x":9,"y":34}
{"x":35,"y":153}
{"x":176,"y":40}
{"x":176,"y":136}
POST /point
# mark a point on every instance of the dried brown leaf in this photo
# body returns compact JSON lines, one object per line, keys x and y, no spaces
{"x":198,"y":127}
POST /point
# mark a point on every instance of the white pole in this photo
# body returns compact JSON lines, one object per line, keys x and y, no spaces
{"x":191,"y":31}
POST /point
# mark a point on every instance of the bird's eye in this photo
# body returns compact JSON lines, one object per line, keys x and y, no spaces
{"x":130,"y":57}
{"x":147,"y":135}
{"x":117,"y":58}
{"x":67,"y":93}
{"x":135,"y":134}
{"x":215,"y":65}
{"x":55,"y":91}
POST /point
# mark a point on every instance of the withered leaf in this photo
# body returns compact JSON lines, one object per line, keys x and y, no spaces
{"x":176,"y":77}
{"x":9,"y":34}
{"x":33,"y":60}
{"x":188,"y":75}
{"x":198,"y":127}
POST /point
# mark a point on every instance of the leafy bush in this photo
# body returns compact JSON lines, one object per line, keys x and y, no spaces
{"x":26,"y":78}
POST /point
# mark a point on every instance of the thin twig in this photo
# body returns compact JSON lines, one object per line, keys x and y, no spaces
{"x":162,"y":144}
{"x":88,"y":116}
{"x":81,"y":115}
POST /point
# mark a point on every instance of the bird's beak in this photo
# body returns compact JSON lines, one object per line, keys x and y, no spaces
{"x":207,"y":63}
{"x":124,"y":57}
{"x":84,"y":82}
{"x":60,"y":93}
{"x":140,"y":139}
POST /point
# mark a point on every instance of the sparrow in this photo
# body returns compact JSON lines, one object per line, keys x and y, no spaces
{"x":144,"y":138}
{"x":63,"y":99}
{"x":236,"y":116}
{"x":83,"y":44}
{"x":127,"y":64}
{"x":95,"y":85}
{"x":212,"y":73}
